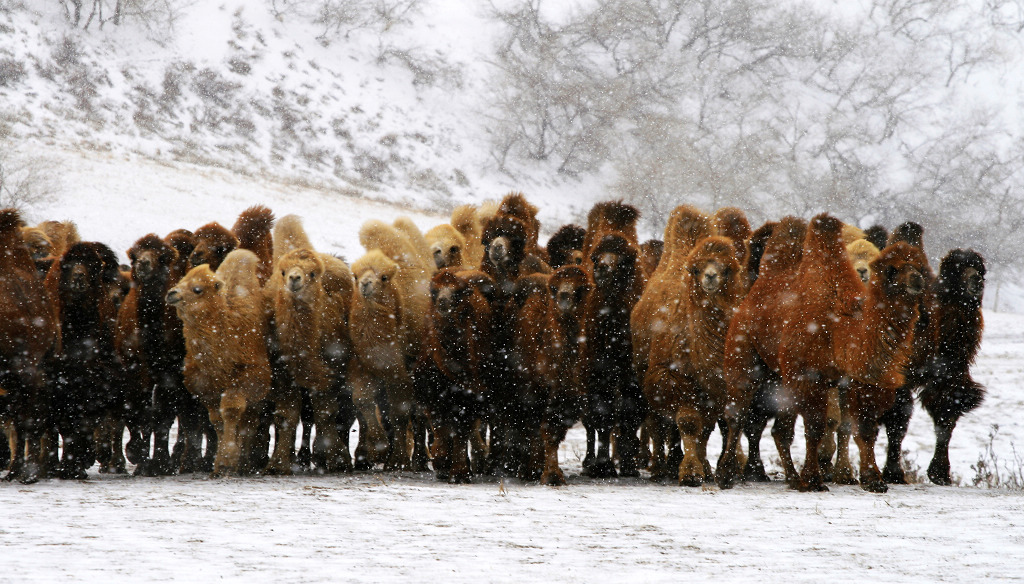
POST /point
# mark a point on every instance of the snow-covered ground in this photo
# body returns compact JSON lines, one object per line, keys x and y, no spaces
{"x":407,"y":527}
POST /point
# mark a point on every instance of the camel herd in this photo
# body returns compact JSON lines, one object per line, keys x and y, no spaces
{"x":472,"y":349}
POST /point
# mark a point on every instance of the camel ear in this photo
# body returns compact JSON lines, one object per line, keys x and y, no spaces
{"x":217,"y":284}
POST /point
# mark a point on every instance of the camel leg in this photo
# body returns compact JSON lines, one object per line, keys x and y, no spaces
{"x":304,"y":457}
{"x":782,"y":432}
{"x":691,"y":424}
{"x":230,"y":412}
{"x":702,"y":451}
{"x":644,"y":456}
{"x":655,"y":432}
{"x":815,"y":413}
{"x":896,"y":420}
{"x":343,"y":426}
{"x":400,"y":404}
{"x":478,"y":444}
{"x":287,"y":411}
{"x":842,"y":473}
{"x":327,"y":450}
{"x":372,"y":438}
{"x":754,"y":469}
{"x":870,"y":476}
{"x":938,"y":469}
{"x":552,"y":435}
{"x":603,"y":466}
{"x":459,"y":454}
{"x":419,"y":442}
{"x":828,"y":443}
{"x":591,"y":455}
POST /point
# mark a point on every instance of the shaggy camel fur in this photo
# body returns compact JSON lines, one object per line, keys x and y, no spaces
{"x":684,"y":377}
{"x":862,"y":252}
{"x":950,"y":392}
{"x":447,"y":247}
{"x":38,"y":243}
{"x":211,"y":244}
{"x":877,"y":235}
{"x":834,"y":327}
{"x":534,"y":355}
{"x":253,"y":232}
{"x":505,"y":241}
{"x":388,"y":321}
{"x":226,"y":364}
{"x":29,"y":332}
{"x":565,"y":248}
{"x":569,"y":288}
{"x":516,"y":205}
{"x":650,"y":256}
{"x":655,"y":309}
{"x":614,"y":396}
{"x":454,"y":374}
{"x":152,"y":348}
{"x":62,"y":235}
{"x":940,"y":367}
{"x":85,"y":372}
{"x":312,"y":294}
{"x":464,"y":220}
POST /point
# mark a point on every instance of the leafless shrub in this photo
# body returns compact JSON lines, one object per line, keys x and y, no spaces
{"x":992,"y":472}
{"x":428,"y":70}
{"x":11,"y":72}
{"x":25,"y":181}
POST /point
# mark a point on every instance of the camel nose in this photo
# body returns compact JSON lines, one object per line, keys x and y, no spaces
{"x":915,"y":284}
{"x":173,"y":297}
{"x":439,"y":259}
{"x":197,"y":258}
{"x":294,"y":281}
{"x":863,"y":272}
{"x":366,"y":289}
{"x":498,"y":251}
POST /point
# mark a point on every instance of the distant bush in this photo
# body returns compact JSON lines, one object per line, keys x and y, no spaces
{"x":11,"y":72}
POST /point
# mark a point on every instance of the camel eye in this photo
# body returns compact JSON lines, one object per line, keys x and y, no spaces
{"x":453,"y":249}
{"x":197,"y":290}
{"x":312,"y":275}
{"x":384,"y":278}
{"x":282,"y":272}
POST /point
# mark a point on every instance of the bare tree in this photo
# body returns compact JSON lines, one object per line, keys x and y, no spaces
{"x":25,"y":181}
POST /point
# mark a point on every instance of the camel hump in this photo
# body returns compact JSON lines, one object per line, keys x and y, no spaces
{"x":238,"y":271}
{"x":376,"y":234}
{"x":464,"y":221}
{"x":337,"y":277}
{"x":289,"y":235}
{"x":253,"y":227}
{"x":10,"y":221}
{"x":686,"y":226}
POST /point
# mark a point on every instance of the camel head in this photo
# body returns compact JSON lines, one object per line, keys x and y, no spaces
{"x":899,"y":270}
{"x":713,"y":267}
{"x":301,"y":270}
{"x":615,"y":261}
{"x":569,"y":287}
{"x":375,"y":277}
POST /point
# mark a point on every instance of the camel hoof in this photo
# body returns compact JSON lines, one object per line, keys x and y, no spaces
{"x":602,"y":469}
{"x":756,"y":475}
{"x":691,"y":481}
{"x":874,"y":486}
{"x":844,"y":477}
{"x":811,"y":486}
{"x":942,"y":481}
{"x":894,"y":476}
{"x":553,"y":479}
{"x":460,"y":479}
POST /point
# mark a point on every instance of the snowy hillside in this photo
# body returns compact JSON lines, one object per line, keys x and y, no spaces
{"x":386,"y":115}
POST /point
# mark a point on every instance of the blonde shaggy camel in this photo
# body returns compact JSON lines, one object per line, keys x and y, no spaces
{"x":226,"y":365}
